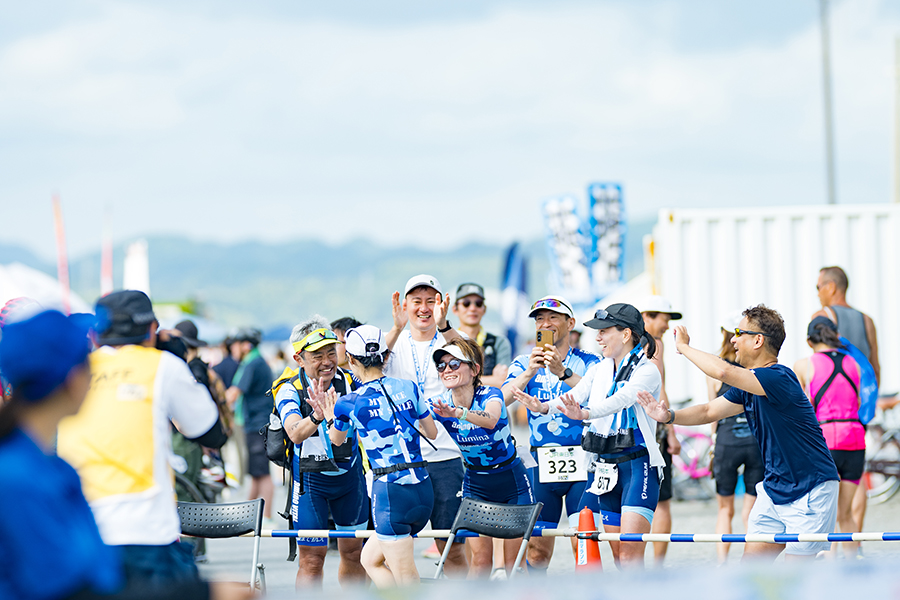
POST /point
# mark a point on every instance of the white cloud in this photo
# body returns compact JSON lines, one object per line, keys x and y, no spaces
{"x":226,"y":122}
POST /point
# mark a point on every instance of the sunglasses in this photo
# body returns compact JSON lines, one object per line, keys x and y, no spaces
{"x":738,"y":332}
{"x":550,"y":303}
{"x":453,"y":363}
{"x":317,"y":336}
{"x":468,"y":303}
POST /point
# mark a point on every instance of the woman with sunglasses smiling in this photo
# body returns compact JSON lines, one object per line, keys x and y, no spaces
{"x":475,"y":417}
{"x":621,"y":439}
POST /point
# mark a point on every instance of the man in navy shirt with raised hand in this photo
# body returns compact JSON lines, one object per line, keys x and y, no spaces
{"x":799,"y":491}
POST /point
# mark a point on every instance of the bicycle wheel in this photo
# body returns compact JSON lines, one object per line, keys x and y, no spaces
{"x":882,"y":450}
{"x":690,"y":470}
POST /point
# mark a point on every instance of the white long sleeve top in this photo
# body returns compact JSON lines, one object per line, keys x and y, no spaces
{"x":591,"y":393}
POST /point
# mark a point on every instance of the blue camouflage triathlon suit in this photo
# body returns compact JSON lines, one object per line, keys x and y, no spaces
{"x":494,"y":472}
{"x":402,"y":498}
{"x":555,"y":430}
{"x":342,"y":491}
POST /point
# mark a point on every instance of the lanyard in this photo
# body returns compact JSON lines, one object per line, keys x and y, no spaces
{"x":420,"y":374}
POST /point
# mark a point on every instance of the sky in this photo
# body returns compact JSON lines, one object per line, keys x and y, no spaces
{"x":425,"y":123}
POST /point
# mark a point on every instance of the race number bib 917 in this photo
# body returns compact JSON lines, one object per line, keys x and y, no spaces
{"x":606,"y":476}
{"x":561,"y":463}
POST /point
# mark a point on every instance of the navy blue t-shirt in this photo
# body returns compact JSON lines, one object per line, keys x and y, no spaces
{"x":790,"y":440}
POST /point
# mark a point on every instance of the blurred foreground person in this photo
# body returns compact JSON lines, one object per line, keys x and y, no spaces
{"x":50,"y":546}
{"x":120,"y":444}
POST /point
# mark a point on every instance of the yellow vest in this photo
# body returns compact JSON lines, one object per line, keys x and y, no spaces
{"x":110,"y":441}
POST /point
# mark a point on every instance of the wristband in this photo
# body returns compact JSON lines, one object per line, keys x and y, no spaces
{"x":316,"y":422}
{"x":465,"y":414}
{"x":671,"y":418}
{"x":447,"y":328}
{"x":329,"y":422}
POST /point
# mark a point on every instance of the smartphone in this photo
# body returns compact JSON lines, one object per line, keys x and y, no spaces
{"x":544,"y":337}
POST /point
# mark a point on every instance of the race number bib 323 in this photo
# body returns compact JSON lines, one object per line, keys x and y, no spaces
{"x":561,"y":463}
{"x":606,"y":476}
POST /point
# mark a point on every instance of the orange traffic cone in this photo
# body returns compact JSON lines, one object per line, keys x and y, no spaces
{"x":588,"y":550}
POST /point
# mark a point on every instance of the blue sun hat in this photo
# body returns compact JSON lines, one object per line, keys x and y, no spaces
{"x":37,"y":354}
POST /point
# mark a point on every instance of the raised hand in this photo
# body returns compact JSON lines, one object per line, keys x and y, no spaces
{"x":329,"y":400}
{"x":655,"y":410}
{"x":528,"y":401}
{"x":441,"y":307}
{"x":398,"y":310}
{"x":681,"y":337}
{"x":572,"y":409}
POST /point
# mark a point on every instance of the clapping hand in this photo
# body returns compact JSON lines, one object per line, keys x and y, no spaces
{"x":528,"y":401}
{"x":444,"y":409}
{"x":398,"y":309}
{"x":572,"y":409}
{"x":655,"y":410}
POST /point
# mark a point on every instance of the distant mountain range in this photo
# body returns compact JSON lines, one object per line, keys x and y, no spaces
{"x":272,"y":285}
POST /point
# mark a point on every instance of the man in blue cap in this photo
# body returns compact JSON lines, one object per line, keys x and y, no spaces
{"x":119,"y":442}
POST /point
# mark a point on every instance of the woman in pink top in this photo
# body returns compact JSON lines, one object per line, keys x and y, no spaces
{"x":831,"y":380}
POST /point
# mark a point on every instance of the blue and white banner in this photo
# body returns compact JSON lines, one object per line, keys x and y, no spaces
{"x":606,"y":219}
{"x":568,"y":243}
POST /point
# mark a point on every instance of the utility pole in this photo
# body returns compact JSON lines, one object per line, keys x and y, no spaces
{"x":826,"y":90}
{"x":897,"y":120}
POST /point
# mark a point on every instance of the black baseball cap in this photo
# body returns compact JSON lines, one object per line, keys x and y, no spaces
{"x":189,"y":334}
{"x":624,"y":315}
{"x":124,"y":317}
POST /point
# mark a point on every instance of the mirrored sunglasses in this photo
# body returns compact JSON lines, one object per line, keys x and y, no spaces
{"x":453,"y":363}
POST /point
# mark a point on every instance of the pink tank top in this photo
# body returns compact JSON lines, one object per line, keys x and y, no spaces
{"x":838,"y":407}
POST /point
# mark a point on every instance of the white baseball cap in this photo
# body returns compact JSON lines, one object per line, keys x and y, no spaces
{"x":658,"y":304}
{"x":365,"y":340}
{"x":423,"y":279}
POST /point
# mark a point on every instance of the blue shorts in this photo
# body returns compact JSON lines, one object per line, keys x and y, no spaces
{"x":399,"y":511}
{"x":552,"y":494}
{"x":636,"y":491}
{"x":509,"y":486}
{"x":344,"y":494}
{"x":446,"y":480}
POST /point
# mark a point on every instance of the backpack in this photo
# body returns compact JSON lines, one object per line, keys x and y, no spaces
{"x":279,"y":449}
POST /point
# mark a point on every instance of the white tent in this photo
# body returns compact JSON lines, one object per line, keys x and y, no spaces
{"x":18,"y":280}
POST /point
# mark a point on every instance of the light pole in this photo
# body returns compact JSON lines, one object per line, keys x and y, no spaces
{"x":826,"y":91}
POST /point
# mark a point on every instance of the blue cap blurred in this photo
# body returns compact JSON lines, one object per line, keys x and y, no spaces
{"x":36,"y":355}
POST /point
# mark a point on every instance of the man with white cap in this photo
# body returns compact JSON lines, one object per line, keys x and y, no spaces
{"x":657,"y":312}
{"x":425,"y":307}
{"x":552,"y":369}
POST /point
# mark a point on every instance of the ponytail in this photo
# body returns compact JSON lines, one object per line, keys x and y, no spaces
{"x":648,"y":342}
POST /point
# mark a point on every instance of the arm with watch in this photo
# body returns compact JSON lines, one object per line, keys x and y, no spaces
{"x":699,"y":414}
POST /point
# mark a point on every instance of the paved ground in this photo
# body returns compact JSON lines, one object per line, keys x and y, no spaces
{"x":231,"y":558}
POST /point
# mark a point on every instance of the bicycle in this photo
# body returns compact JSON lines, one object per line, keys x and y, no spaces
{"x":882,"y":476}
{"x":691,"y":474}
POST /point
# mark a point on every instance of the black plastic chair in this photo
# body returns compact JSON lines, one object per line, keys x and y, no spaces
{"x":506,"y":521}
{"x":226,"y":521}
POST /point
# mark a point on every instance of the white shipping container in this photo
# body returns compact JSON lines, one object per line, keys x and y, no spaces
{"x":710,"y":263}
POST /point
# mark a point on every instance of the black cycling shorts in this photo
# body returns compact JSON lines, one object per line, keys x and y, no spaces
{"x":850,"y":463}
{"x":725,"y":468}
